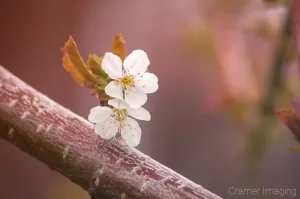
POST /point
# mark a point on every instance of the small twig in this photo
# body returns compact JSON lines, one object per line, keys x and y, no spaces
{"x":259,"y":137}
{"x":276,"y":79}
{"x":67,"y":144}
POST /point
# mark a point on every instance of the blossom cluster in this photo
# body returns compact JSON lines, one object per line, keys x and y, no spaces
{"x":128,"y":86}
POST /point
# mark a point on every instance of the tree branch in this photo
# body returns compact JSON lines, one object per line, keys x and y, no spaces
{"x":67,"y":144}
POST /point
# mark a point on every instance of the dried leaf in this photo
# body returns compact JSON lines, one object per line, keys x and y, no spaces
{"x":74,"y":64}
{"x":119,"y":46}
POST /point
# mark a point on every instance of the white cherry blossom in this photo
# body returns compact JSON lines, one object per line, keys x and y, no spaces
{"x":110,"y":121}
{"x":130,"y":81}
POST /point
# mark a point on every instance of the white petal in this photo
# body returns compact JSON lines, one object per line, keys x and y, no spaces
{"x":136,"y":62}
{"x":114,"y":89}
{"x":118,"y":103}
{"x":140,"y":113}
{"x":131,"y":132}
{"x":147,"y":82}
{"x":136,"y":98}
{"x":112,"y":65}
{"x":99,"y":114}
{"x":107,"y":129}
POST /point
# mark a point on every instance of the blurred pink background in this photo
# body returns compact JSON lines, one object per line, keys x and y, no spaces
{"x":181,"y":135}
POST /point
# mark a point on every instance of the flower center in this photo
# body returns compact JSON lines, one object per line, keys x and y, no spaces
{"x":127,"y":83}
{"x":128,"y":80}
{"x":120,"y":116}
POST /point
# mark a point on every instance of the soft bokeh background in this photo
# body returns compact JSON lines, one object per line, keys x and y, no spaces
{"x":184,"y":134}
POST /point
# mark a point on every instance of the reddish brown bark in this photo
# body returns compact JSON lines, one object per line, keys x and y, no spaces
{"x":67,"y":144}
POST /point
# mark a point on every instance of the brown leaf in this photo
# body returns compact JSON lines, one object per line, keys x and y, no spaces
{"x":119,"y":46}
{"x":74,"y":64}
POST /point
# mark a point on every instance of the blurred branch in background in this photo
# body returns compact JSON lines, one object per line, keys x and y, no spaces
{"x":248,"y":50}
{"x":67,"y":144}
{"x":259,"y":138}
{"x":291,"y":117}
{"x":295,"y":17}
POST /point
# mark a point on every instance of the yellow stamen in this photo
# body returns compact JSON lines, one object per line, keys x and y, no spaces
{"x":120,"y":116}
{"x":127,"y":83}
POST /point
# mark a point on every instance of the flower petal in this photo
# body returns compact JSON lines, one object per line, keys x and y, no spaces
{"x":114,"y":89}
{"x":147,"y":82}
{"x":99,"y":114}
{"x":107,"y":129}
{"x":136,"y":62}
{"x":140,"y":113}
{"x":118,"y":103}
{"x":131,"y":132}
{"x":136,"y":98}
{"x":112,"y":65}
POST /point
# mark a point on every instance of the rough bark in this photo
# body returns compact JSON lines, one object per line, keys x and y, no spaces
{"x":67,"y":144}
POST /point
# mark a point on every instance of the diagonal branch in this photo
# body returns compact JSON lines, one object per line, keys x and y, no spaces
{"x":67,"y":144}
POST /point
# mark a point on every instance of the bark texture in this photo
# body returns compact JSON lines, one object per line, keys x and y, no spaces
{"x":66,"y":143}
